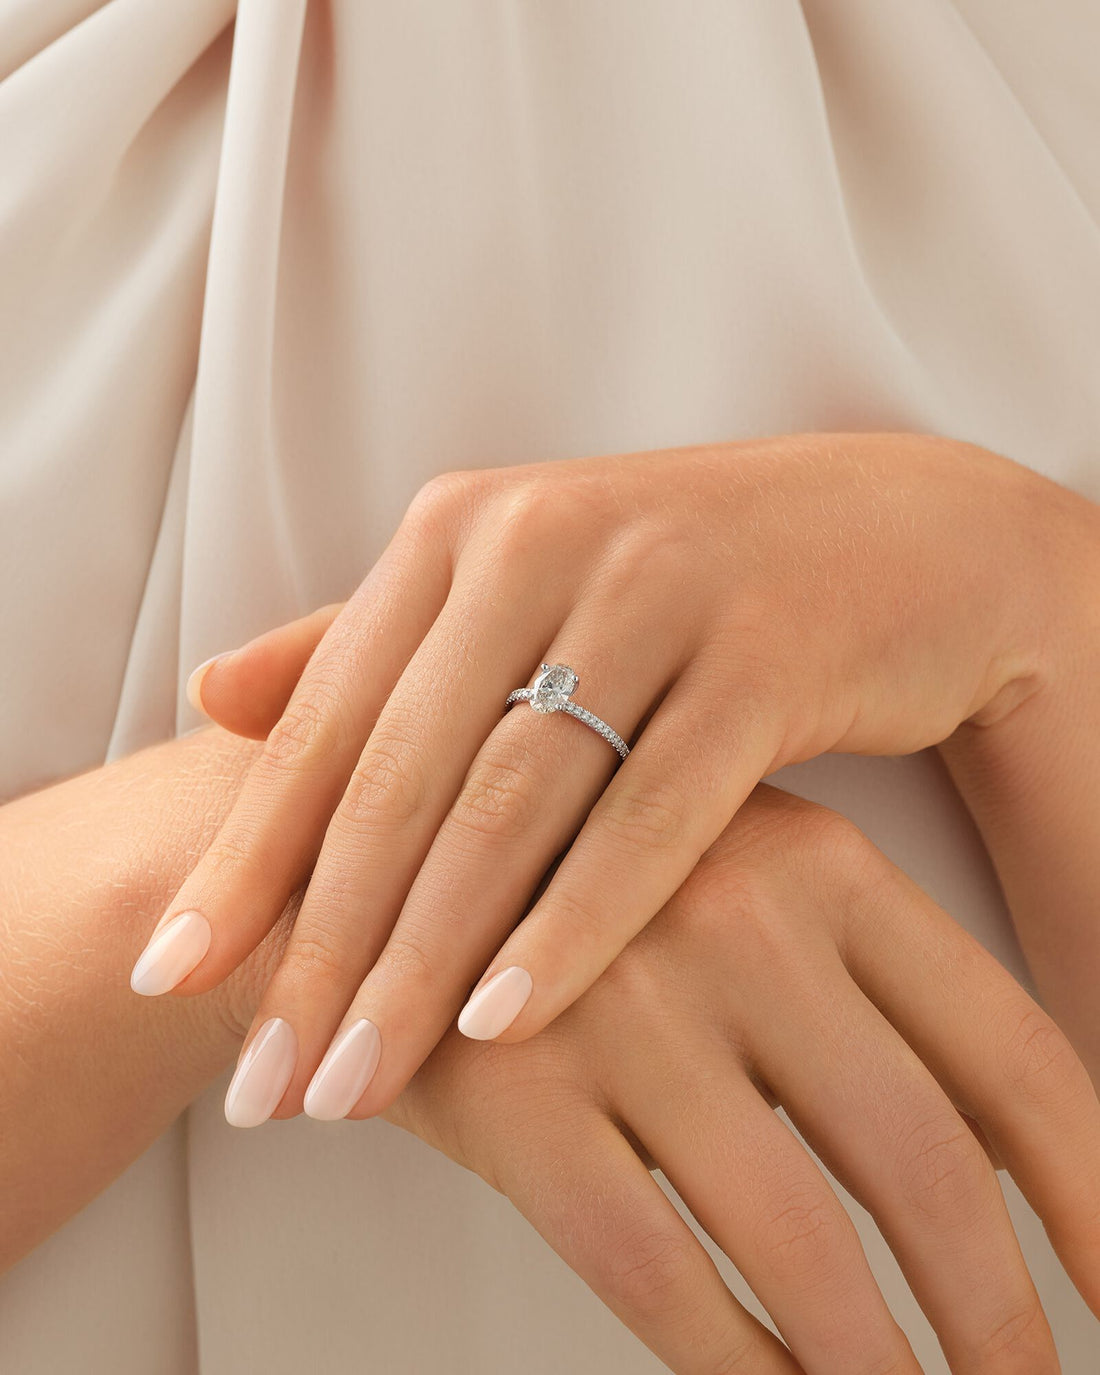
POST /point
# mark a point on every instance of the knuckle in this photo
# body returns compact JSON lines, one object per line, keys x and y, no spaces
{"x":524,"y":519}
{"x":833,"y":853}
{"x":337,"y":905}
{"x":721,"y":884}
{"x":506,"y":1112}
{"x":743,"y":908}
{"x":891,"y":1363}
{"x":308,"y":731}
{"x":635,"y":981}
{"x":437,"y":499}
{"x":650,"y":1270}
{"x":942,"y":1170}
{"x":497,"y":801}
{"x":776,"y":832}
{"x":1040,"y":1061}
{"x":642,"y":555}
{"x":387,"y":785}
{"x":312,"y":958}
{"x":231,"y":852}
{"x":704,"y":916}
{"x":781,"y":848}
{"x":531,"y":1088}
{"x":798,"y":1236}
{"x":735,"y":1360}
{"x":653,"y":815}
{"x":411,"y":960}
{"x":573,"y":918}
{"x":1024,"y":1338}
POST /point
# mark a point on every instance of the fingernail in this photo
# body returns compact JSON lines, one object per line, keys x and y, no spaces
{"x":194,"y":682}
{"x":344,"y":1073}
{"x":495,"y":1007}
{"x":174,"y":949}
{"x":263,"y":1074}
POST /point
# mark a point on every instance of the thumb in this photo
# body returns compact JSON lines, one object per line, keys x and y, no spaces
{"x":246,"y":690}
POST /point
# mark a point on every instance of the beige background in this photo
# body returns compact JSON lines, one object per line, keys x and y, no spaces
{"x":258,"y":284}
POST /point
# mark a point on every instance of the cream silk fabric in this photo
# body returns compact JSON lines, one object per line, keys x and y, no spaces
{"x":259,"y":281}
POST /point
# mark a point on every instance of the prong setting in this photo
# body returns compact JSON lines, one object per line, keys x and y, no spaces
{"x":552,"y":687}
{"x":552,"y":690}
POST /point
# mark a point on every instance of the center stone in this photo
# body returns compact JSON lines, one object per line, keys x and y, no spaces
{"x":553,"y":686}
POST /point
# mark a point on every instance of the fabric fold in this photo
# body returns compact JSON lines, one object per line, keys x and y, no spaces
{"x":234,"y":469}
{"x":267,"y":268}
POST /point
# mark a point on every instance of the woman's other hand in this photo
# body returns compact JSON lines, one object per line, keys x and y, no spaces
{"x":796,"y":965}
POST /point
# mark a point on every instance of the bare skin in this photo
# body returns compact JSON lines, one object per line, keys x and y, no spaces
{"x":82,"y":865}
{"x":787,"y":907}
{"x":791,"y":908}
{"x":773,"y":599}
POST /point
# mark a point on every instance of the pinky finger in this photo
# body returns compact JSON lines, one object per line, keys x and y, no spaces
{"x":246,"y":690}
{"x":613,"y":1225}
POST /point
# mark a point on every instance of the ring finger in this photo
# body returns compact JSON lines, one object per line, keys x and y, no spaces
{"x":880,"y":1121}
{"x":1000,"y":1056}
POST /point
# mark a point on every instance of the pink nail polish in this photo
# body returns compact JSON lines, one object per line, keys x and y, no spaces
{"x":174,"y":949}
{"x":262,"y":1075}
{"x":344,"y":1073}
{"x":494,"y":1008}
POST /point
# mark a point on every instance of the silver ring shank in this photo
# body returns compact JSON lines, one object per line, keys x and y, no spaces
{"x":581,"y":713}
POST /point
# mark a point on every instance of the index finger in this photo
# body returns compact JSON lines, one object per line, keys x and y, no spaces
{"x":246,"y":690}
{"x":266,"y":847}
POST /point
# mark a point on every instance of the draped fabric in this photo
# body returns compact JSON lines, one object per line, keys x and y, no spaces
{"x":267,"y":267}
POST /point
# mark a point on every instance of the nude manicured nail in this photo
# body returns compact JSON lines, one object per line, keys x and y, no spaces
{"x":262,"y":1075}
{"x":494,"y":1008}
{"x":344,"y":1073}
{"x":194,"y":682}
{"x":174,"y":949}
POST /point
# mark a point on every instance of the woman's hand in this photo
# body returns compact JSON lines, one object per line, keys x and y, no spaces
{"x":730,"y":609}
{"x":796,"y":965}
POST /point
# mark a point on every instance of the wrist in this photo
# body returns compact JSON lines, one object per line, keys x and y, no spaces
{"x":1047,"y":565}
{"x":1031,"y":780}
{"x":86,"y":867}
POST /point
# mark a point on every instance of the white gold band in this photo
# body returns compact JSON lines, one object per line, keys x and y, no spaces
{"x":551,"y":691}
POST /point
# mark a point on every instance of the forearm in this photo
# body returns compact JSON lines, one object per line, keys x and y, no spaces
{"x":90,"y":1073}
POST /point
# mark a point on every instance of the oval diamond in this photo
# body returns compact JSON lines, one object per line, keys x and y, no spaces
{"x":552,"y":686}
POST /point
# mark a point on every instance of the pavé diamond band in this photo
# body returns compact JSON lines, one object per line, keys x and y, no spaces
{"x":551,"y":691}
